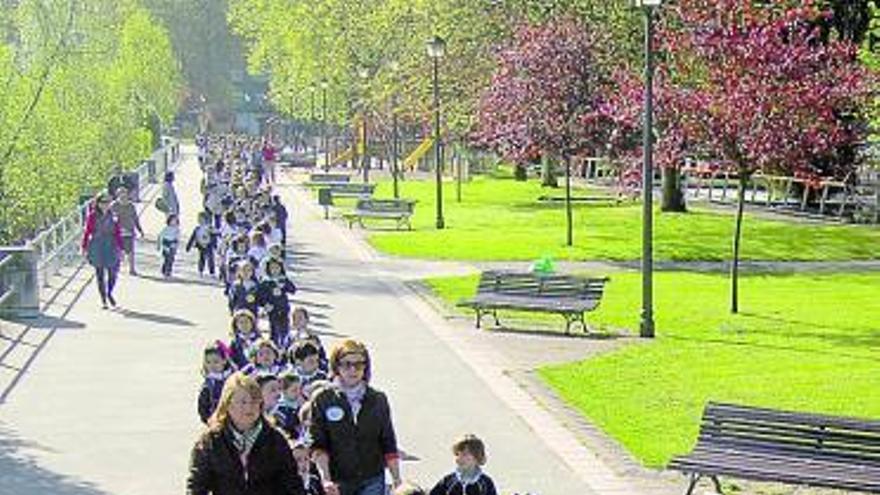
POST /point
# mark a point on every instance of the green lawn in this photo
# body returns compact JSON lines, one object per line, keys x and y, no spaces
{"x":805,"y":342}
{"x":501,"y":219}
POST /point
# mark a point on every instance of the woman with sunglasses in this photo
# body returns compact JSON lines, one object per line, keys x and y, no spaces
{"x":353,"y":438}
{"x":102,"y":244}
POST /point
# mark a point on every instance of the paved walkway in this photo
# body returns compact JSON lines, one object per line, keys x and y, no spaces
{"x":103,"y":402}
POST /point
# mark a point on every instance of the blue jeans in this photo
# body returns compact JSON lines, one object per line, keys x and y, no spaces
{"x":369,"y":486}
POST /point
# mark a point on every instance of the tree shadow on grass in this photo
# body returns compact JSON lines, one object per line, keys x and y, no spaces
{"x":775,"y":347}
{"x":843,"y":335}
{"x":546,"y":331}
{"x":20,"y":474}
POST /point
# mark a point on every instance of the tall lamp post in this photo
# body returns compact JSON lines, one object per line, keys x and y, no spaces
{"x":324,"y":86}
{"x":646,"y":328}
{"x":437,"y":50}
{"x":313,"y":89}
{"x":364,"y":74}
{"x":395,"y":69}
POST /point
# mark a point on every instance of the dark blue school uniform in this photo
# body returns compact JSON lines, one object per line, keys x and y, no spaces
{"x":240,"y":348}
{"x":286,"y":416}
{"x":274,"y":296}
{"x":244,"y":295}
{"x":209,"y":395}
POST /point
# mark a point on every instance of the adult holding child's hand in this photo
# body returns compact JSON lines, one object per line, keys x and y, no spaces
{"x":353,"y":438}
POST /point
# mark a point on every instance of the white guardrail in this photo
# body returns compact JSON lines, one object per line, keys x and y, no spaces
{"x":26,"y":269}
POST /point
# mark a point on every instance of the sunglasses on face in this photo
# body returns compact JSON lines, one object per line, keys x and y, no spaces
{"x":358,"y":365}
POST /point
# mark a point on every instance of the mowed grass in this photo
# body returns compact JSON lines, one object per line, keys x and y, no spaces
{"x":501,"y":219}
{"x":802,"y":342}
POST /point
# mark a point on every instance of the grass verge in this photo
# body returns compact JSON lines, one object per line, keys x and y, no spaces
{"x":802,"y":342}
{"x":501,"y":219}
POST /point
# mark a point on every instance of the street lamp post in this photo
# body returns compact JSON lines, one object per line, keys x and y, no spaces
{"x":437,"y":50}
{"x":324,"y":86}
{"x":313,"y":90}
{"x":646,"y":328}
{"x":395,"y":69}
{"x":364,"y":73}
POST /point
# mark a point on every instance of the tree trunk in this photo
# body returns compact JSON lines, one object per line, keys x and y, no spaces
{"x":520,"y":172}
{"x":737,"y":235}
{"x":569,"y":239}
{"x":673,"y":196}
{"x":548,"y":178}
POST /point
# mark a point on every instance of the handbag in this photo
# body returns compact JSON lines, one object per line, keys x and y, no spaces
{"x":161,"y":205}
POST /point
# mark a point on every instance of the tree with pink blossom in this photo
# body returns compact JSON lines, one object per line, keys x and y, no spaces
{"x":757,"y":87}
{"x":544,"y":98}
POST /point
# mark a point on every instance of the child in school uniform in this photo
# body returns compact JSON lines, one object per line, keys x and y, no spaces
{"x":264,"y":359}
{"x":275,"y":254}
{"x":468,"y":477}
{"x":301,"y":332}
{"x":308,"y":471}
{"x":286,"y":413}
{"x":203,"y":238}
{"x":274,"y":290}
{"x":244,"y":335}
{"x":271,"y":391}
{"x":168,"y":239}
{"x":258,"y":249}
{"x":236,"y":252}
{"x":216,"y":368}
{"x":244,"y":292}
{"x":307,"y":364}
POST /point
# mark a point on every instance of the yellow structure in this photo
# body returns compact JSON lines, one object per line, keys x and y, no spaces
{"x":413,"y":159}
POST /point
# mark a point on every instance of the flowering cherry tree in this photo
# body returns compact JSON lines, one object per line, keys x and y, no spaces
{"x":544,"y":97}
{"x":764,"y":92}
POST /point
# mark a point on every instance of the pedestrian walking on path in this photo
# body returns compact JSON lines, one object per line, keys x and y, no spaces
{"x":102,"y":244}
{"x":241,"y":453}
{"x":169,"y":196}
{"x":129,"y":225}
{"x":353,"y":438}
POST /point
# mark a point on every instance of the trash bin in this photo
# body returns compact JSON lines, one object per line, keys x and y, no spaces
{"x":19,"y":279}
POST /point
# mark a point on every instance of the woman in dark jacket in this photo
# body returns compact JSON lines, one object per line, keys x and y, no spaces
{"x":352,"y":455}
{"x":241,"y":453}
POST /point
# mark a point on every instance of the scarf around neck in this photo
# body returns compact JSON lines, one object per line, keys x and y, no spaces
{"x":354,"y":395}
{"x":244,"y":441}
{"x":468,"y":477}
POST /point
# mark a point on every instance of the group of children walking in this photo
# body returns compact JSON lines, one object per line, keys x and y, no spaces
{"x":241,"y":238}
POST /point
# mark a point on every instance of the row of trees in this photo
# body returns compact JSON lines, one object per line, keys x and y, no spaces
{"x":300,"y":44}
{"x":86,"y":84}
{"x":778,"y":87}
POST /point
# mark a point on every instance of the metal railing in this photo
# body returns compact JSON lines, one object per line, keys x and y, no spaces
{"x":24,"y":270}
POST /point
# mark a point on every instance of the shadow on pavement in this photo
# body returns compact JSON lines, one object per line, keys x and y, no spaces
{"x":51,"y":322}
{"x":21,"y":475}
{"x":155,"y":318}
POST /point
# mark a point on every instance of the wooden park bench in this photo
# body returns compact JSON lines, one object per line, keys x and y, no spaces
{"x":399,"y":210}
{"x":785,"y":447}
{"x":566,"y":295}
{"x":321,"y":180}
{"x":351,"y":190}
